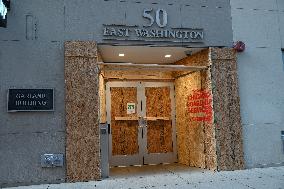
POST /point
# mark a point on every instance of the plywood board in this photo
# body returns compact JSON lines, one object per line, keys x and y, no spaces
{"x":157,"y":118}
{"x":159,"y":136}
{"x":189,"y":133}
{"x":158,"y":102}
{"x":194,"y":116}
{"x":227,"y":109}
{"x":209,"y":125}
{"x":82,"y":112}
{"x":102,"y":95}
{"x":148,"y":67}
{"x":141,"y":75}
{"x":124,"y":138}
{"x":159,"y":132}
{"x":126,"y":118}
{"x":198,"y":59}
{"x":124,"y":132}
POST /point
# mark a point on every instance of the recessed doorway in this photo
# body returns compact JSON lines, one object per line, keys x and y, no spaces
{"x":142,"y":123}
{"x":207,"y":116}
{"x":148,"y":106}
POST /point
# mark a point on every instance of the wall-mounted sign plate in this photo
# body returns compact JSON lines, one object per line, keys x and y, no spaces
{"x":154,"y":29}
{"x":25,"y":100}
{"x":52,"y":160}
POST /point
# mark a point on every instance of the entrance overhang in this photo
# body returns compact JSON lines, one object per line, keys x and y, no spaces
{"x":148,"y":67}
{"x":145,"y":54}
{"x":145,"y":62}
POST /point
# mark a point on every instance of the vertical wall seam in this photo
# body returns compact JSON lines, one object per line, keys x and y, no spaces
{"x":212,"y":104}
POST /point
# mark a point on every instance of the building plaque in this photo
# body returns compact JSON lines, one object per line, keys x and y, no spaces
{"x":30,"y":100}
{"x":155,"y":29}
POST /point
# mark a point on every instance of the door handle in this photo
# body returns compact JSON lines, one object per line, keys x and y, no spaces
{"x":141,"y":117}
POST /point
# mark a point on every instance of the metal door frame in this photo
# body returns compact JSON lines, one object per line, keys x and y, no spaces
{"x":157,"y":158}
{"x":137,"y":159}
{"x":123,"y":160}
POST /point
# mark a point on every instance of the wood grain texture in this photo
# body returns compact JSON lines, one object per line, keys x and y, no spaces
{"x":227,"y":109}
{"x":159,"y":136}
{"x":82,"y":112}
{"x":222,"y":138}
{"x":159,"y":132}
{"x":200,"y":58}
{"x":102,"y":95}
{"x":195,"y":139}
{"x":158,"y":102}
{"x":124,"y":132}
{"x":209,"y":126}
{"x":132,"y":75}
{"x":190,"y":136}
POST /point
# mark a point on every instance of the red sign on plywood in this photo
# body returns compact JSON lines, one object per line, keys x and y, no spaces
{"x":199,"y":106}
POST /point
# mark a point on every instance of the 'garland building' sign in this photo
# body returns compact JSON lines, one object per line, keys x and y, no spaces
{"x":145,"y":33}
{"x":30,"y":100}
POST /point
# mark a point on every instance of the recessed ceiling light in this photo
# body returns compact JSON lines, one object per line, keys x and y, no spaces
{"x":121,"y":54}
{"x":168,"y":56}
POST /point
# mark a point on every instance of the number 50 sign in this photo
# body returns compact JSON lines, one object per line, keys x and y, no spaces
{"x":160,"y":17}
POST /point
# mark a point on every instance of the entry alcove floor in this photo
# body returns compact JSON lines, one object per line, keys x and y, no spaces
{"x":153,"y":170}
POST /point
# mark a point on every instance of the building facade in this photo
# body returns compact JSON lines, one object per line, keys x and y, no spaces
{"x":163,"y":74}
{"x":260,"y":67}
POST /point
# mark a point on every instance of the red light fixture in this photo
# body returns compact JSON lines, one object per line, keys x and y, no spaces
{"x":239,"y":46}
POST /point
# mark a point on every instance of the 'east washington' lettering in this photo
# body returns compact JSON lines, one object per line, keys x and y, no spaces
{"x":153,"y":33}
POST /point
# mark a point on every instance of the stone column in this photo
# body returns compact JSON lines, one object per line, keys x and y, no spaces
{"x":226,"y":106}
{"x":82,"y":111}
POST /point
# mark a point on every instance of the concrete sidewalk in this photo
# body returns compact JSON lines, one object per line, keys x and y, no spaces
{"x":177,"y":176}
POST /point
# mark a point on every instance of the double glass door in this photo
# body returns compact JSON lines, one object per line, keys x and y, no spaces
{"x":142,"y":123}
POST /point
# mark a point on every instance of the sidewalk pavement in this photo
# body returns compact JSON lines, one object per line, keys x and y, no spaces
{"x":173,"y":176}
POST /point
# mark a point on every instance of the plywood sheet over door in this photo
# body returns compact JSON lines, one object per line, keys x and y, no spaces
{"x":124,"y":132}
{"x":146,"y":136}
{"x":160,"y":115}
{"x":159,"y":131}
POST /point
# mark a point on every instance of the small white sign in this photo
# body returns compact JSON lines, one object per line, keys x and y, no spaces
{"x":131,"y":108}
{"x":3,"y":10}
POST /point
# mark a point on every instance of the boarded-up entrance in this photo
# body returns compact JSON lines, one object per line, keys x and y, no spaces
{"x":215,"y":144}
{"x":142,"y":125}
{"x":158,"y":105}
{"x":124,"y":132}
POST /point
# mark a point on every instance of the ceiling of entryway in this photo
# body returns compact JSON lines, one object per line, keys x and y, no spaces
{"x":144,"y":54}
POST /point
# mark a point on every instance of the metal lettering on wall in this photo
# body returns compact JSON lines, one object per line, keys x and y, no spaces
{"x":30,"y":100}
{"x":146,"y":33}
